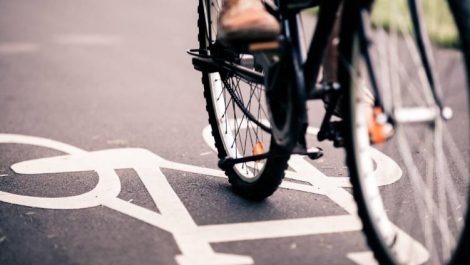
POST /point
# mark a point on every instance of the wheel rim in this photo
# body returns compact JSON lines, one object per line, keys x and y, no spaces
{"x":429,"y":202}
{"x":240,"y":136}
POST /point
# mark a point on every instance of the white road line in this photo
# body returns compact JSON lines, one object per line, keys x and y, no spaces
{"x":193,"y":240}
{"x":279,"y":228}
{"x":108,"y":183}
{"x":386,"y":172}
{"x":363,"y":258}
{"x":14,"y":48}
{"x":38,"y":141}
{"x":138,"y":212}
{"x":307,"y":172}
{"x":86,"y":39}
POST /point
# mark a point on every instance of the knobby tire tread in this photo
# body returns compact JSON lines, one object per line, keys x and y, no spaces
{"x":274,"y":170}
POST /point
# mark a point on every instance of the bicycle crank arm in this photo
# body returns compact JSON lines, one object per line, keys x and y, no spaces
{"x":229,"y":162}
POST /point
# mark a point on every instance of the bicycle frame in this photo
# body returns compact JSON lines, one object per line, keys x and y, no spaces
{"x":297,"y":69}
{"x":292,"y":36}
{"x":306,"y":64}
{"x":311,"y":60}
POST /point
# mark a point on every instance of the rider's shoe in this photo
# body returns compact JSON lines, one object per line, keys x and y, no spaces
{"x":246,"y":21}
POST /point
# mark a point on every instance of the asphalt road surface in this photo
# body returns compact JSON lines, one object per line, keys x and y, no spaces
{"x":109,"y":83}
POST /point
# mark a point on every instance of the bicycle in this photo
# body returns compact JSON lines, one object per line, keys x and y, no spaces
{"x":256,"y":100}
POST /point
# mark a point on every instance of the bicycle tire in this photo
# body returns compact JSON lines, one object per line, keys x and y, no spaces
{"x":256,"y":185}
{"x":381,"y":208}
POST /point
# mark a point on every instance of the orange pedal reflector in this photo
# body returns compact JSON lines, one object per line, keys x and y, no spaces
{"x":258,"y":46}
{"x":258,"y":149}
{"x":378,"y":132}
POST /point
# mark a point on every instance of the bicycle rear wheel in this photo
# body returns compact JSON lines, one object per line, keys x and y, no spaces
{"x":239,"y":116}
{"x":416,"y":211}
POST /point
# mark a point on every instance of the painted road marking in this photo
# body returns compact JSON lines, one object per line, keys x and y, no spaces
{"x":193,"y":240}
{"x":13,"y":48}
{"x":86,"y":39}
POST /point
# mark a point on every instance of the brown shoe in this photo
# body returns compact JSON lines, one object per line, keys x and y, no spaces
{"x":246,"y":21}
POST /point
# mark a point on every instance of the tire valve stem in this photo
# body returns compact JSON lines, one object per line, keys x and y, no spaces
{"x":258,"y":149}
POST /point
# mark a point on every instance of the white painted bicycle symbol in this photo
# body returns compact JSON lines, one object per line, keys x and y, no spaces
{"x":193,"y":240}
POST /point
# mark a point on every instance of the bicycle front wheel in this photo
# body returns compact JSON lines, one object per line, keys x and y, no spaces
{"x":238,"y":115}
{"x":413,"y":190}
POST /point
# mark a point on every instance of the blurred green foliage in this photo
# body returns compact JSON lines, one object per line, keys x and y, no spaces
{"x":394,"y":14}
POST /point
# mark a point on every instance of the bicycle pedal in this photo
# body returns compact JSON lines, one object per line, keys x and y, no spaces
{"x":338,"y":142}
{"x":264,"y":46}
{"x":313,"y":153}
{"x":333,"y":132}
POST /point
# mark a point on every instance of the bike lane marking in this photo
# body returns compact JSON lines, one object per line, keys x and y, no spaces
{"x":192,"y":240}
{"x":386,"y":172}
{"x":15,"y":48}
{"x":108,"y":183}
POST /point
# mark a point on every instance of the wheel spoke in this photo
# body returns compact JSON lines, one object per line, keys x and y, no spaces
{"x":430,"y":199}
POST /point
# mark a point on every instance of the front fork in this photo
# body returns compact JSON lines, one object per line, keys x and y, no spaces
{"x":424,"y":49}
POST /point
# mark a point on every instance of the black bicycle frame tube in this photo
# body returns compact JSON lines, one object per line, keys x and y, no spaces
{"x":364,"y":42}
{"x":425,"y":50}
{"x":290,"y":22}
{"x":295,"y":56}
{"x":316,"y":52}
